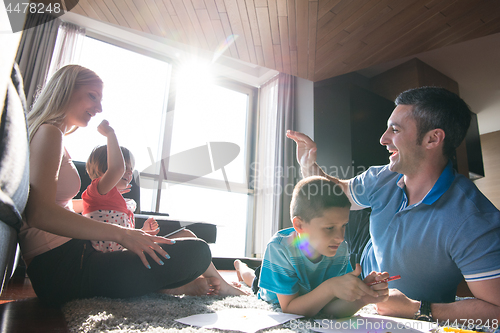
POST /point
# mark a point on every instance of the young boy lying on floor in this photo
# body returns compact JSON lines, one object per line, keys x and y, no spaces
{"x":306,"y":268}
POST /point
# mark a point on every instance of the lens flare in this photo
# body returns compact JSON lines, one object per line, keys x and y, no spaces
{"x":223,"y":46}
{"x":302,"y":243}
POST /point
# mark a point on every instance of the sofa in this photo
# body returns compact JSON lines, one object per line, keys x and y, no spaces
{"x":14,"y":173}
{"x":203,"y":230}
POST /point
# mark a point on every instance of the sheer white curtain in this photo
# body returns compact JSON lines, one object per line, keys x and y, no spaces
{"x":274,"y":166}
{"x":68,"y":46}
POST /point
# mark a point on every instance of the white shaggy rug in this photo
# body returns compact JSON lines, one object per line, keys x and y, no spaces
{"x":157,"y":313}
{"x":153,"y":313}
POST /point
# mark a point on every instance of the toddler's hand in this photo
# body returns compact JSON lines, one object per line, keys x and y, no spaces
{"x":104,"y":128}
{"x":350,"y":288}
{"x":151,"y":226}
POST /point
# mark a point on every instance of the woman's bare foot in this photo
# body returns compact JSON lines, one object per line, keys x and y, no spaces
{"x":244,"y":273}
{"x":200,"y":287}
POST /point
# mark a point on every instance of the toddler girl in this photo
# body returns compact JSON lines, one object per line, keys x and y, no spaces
{"x":110,"y":168}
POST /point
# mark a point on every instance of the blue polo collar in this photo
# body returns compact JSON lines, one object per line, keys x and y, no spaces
{"x":442,"y":184}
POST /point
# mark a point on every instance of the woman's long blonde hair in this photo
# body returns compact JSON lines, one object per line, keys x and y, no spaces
{"x":51,"y":102}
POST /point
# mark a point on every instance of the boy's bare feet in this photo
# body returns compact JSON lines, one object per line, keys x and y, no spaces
{"x":206,"y":286}
{"x":237,"y":264}
{"x":227,"y":289}
{"x":235,"y":284}
{"x":244,"y":273}
{"x":200,"y":287}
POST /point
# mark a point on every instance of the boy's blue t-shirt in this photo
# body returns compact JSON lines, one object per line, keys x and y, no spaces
{"x":286,"y":270}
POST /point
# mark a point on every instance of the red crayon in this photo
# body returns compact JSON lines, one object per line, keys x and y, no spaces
{"x":392,"y":278}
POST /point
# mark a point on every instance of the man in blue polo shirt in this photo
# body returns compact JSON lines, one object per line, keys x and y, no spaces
{"x":428,"y":224}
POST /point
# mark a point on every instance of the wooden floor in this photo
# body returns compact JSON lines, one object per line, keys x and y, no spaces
{"x":21,"y":311}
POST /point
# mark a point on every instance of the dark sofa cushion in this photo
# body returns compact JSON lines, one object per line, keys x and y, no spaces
{"x":205,"y":231}
{"x":14,"y":173}
{"x":14,"y":155}
{"x":357,"y":233}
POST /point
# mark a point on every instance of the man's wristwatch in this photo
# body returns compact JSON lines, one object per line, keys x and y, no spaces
{"x":424,"y":312}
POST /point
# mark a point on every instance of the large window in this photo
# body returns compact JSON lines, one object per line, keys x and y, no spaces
{"x":190,"y":134}
{"x":133,"y":101}
{"x":211,"y":186}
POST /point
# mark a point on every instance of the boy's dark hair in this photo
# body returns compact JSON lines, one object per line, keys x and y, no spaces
{"x":97,"y":163}
{"x":435,"y":107}
{"x":313,"y":195}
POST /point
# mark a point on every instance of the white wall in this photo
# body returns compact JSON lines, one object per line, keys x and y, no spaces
{"x":304,"y":107}
{"x":489,"y":119}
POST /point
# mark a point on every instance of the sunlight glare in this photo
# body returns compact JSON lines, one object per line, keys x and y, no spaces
{"x":195,"y":74}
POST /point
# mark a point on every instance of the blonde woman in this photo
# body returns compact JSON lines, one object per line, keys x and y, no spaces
{"x":55,"y":240}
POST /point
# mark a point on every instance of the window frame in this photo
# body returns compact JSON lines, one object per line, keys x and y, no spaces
{"x":168,"y":121}
{"x":251,"y":135}
{"x":250,"y":91}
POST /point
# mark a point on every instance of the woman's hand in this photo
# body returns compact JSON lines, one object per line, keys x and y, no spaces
{"x":140,"y":243}
{"x":306,"y":149}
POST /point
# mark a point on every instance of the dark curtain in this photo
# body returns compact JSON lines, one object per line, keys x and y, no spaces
{"x":275,"y":170}
{"x":285,"y":148}
{"x":35,"y":52}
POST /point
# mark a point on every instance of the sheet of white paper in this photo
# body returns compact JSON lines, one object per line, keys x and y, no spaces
{"x":245,"y":320}
{"x":372,"y":323}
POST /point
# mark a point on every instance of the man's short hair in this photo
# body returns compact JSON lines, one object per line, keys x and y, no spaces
{"x":435,"y":107}
{"x":313,"y":195}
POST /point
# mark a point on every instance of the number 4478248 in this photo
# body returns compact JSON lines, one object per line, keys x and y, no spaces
{"x":34,"y":8}
{"x":472,"y":323}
